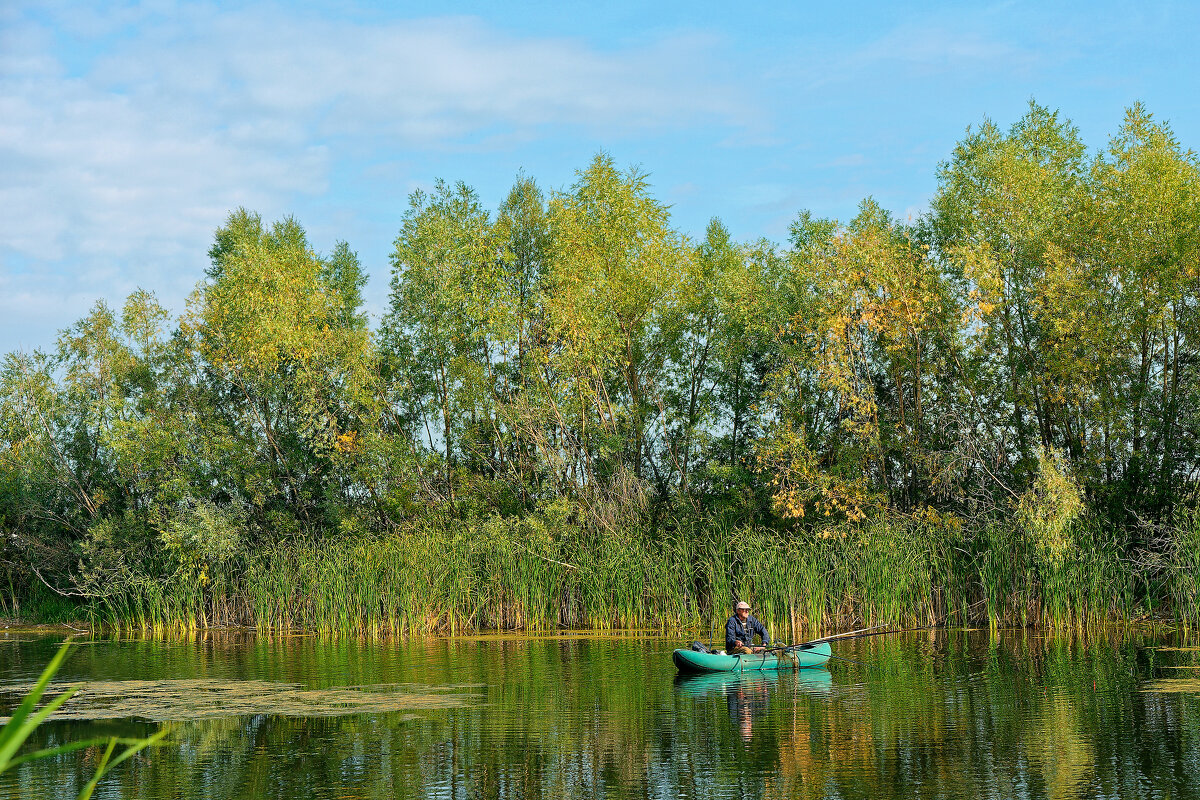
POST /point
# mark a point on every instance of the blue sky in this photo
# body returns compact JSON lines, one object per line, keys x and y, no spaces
{"x":128,"y":131}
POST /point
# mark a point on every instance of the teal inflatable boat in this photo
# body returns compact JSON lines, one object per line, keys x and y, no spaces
{"x":816,"y":682}
{"x":801,"y":656}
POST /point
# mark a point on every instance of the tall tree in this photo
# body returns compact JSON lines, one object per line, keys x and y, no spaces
{"x":445,"y":273}
{"x":1121,"y":296}
{"x":524,"y":429}
{"x":612,"y":296}
{"x":289,"y":356}
{"x":1003,"y":201}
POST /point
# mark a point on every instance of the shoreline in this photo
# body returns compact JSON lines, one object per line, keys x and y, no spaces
{"x":1160,"y":626}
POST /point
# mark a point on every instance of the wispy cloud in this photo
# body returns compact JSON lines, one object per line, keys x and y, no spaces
{"x":941,"y":48}
{"x":917,"y":49}
{"x":423,"y":80}
{"x":126,"y":148}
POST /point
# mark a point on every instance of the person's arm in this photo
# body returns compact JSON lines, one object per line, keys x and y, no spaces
{"x":730,"y":635}
{"x":762,"y":632}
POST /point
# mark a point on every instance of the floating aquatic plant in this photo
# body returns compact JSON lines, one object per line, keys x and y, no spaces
{"x":1174,"y":686}
{"x":207,"y":698}
{"x":28,"y":717}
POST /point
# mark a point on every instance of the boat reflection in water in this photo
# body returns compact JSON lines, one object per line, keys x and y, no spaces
{"x":749,"y":695}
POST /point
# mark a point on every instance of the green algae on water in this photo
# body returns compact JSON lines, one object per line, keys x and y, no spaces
{"x":1177,"y":649}
{"x":183,"y":700}
{"x":1174,"y":686}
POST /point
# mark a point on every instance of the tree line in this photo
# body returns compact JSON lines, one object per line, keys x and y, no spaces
{"x":1026,"y":350}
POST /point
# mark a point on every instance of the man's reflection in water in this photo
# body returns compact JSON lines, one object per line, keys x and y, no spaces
{"x":747,"y":699}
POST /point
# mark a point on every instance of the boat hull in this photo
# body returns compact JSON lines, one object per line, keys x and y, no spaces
{"x":690,"y":661}
{"x":816,"y":681}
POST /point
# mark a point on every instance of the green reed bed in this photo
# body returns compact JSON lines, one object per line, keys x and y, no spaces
{"x":874,"y":574}
{"x":544,"y":573}
{"x":1090,"y":582}
{"x":1179,"y":569}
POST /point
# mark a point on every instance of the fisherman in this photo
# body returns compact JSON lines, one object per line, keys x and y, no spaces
{"x":740,"y":630}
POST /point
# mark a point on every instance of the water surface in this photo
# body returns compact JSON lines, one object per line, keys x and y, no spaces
{"x":951,"y":714}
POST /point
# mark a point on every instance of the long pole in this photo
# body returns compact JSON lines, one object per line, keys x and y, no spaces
{"x":807,"y":646}
{"x":861,"y":635}
{"x":847,"y":634}
{"x":858,"y":634}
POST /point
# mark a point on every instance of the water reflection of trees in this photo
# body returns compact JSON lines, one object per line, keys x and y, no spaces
{"x":1011,"y":717}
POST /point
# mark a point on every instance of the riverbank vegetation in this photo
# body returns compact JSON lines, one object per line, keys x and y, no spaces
{"x":574,"y":415}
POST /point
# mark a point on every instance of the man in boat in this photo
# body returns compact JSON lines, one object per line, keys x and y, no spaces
{"x":740,"y":630}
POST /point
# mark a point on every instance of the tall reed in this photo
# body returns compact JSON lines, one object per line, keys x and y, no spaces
{"x":543,"y":572}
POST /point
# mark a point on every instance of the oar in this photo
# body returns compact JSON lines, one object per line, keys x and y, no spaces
{"x":811,"y":643}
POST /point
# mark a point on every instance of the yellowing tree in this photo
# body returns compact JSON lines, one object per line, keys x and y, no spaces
{"x":612,"y":293}
{"x":289,"y":352}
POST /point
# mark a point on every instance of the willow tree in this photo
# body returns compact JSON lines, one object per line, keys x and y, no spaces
{"x":747,"y":353}
{"x":520,"y":349}
{"x":717,"y":373}
{"x":612,"y":295}
{"x":443,"y":299}
{"x":93,"y":448}
{"x":289,"y":359}
{"x":866,"y":320}
{"x":1121,"y":294}
{"x":1004,"y":201}
{"x":48,"y":501}
{"x":692,"y":409}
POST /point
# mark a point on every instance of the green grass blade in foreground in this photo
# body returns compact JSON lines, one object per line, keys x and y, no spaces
{"x":54,"y":751}
{"x":23,"y":723}
{"x":134,"y":747}
{"x":20,"y":725}
{"x":101,"y":768}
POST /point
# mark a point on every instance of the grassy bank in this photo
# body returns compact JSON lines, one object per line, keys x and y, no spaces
{"x":542,"y":572}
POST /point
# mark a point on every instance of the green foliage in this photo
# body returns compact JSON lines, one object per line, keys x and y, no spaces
{"x":202,"y":537}
{"x":1076,"y":281}
{"x":1048,"y":511}
{"x":288,"y":357}
{"x":571,"y":413}
{"x":28,"y":717}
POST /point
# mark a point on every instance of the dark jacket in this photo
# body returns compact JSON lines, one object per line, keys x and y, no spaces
{"x":735,"y":632}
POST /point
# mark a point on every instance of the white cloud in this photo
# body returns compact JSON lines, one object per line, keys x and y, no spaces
{"x":917,"y":50}
{"x":943,"y":49}
{"x":125,"y":149}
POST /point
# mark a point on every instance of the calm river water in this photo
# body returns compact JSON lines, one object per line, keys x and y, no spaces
{"x":952,"y":714}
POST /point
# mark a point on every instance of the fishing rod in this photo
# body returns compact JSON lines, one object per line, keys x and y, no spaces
{"x":811,"y":643}
{"x":857,"y":634}
{"x":861,"y":634}
{"x":848,"y":634}
{"x":785,"y":648}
